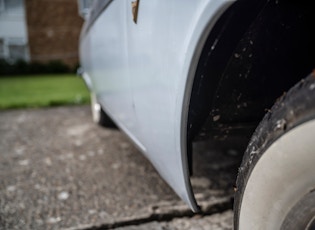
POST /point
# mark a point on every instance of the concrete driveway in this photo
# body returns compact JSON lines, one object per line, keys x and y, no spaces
{"x":58,"y":170}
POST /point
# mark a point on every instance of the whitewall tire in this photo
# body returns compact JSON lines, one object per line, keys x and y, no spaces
{"x":276,"y":181}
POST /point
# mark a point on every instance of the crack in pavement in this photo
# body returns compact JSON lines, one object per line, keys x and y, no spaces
{"x":167,"y":214}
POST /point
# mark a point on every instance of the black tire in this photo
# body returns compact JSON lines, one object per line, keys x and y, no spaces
{"x":99,"y":115}
{"x":294,"y":110}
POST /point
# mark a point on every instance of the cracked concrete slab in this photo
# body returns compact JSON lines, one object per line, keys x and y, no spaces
{"x":58,"y":170}
{"x":220,"y":221}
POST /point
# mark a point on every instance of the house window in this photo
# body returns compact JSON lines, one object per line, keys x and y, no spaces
{"x":17,"y":49}
{"x":2,"y":6}
{"x":17,"y":52}
{"x":13,"y":49}
{"x":14,"y":7}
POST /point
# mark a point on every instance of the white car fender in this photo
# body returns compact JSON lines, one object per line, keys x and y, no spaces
{"x":142,"y":74}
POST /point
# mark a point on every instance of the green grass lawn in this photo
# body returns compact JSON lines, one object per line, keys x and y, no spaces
{"x":40,"y":91}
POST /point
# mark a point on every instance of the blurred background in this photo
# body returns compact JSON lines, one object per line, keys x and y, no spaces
{"x":39,"y":38}
{"x":40,"y":30}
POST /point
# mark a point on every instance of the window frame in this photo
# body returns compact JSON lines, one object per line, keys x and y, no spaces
{"x":2,"y":6}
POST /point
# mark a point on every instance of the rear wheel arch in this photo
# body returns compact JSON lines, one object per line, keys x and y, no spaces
{"x":240,"y":84}
{"x":235,"y":82}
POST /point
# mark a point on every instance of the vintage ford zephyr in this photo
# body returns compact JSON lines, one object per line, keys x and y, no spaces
{"x":170,"y":72}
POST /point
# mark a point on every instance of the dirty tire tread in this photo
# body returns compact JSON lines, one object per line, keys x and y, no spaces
{"x":290,"y":110}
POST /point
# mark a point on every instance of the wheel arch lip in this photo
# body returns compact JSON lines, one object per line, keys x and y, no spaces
{"x":210,"y":14}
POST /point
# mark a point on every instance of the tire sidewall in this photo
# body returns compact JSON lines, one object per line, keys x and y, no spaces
{"x":291,"y":110}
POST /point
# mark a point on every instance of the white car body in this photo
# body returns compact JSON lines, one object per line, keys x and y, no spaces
{"x":170,"y":72}
{"x":141,"y":74}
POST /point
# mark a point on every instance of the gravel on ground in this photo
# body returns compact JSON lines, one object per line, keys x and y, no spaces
{"x":58,"y":170}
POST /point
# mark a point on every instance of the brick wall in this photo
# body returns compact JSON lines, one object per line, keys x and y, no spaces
{"x":53,"y":30}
